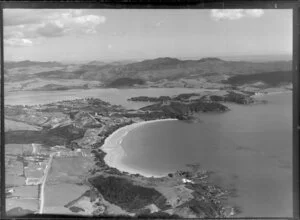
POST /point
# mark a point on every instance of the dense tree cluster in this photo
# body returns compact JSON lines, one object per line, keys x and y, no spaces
{"x":125,"y":194}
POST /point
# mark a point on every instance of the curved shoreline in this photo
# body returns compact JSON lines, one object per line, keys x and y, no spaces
{"x":115,"y":152}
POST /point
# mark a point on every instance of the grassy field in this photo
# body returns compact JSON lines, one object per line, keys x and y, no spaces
{"x":14,"y":149}
{"x":31,"y":204}
{"x":26,"y":192}
{"x":64,"y":182}
{"x":58,"y":195}
{"x":11,"y":125}
{"x":13,"y":180}
{"x":13,"y":166}
{"x":69,"y":169}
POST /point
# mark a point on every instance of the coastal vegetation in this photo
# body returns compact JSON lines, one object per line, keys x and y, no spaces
{"x":183,"y":106}
{"x":84,"y":124}
{"x":65,"y":121}
{"x":269,"y":79}
{"x":234,"y":97}
{"x":180,"y":110}
{"x":149,"y":99}
{"x":125,"y":82}
{"x":125,"y":194}
{"x":49,"y":137}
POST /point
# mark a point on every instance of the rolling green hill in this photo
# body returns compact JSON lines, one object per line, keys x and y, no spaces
{"x":213,"y":70}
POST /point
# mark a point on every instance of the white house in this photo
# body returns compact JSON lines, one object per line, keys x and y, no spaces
{"x":184,"y":180}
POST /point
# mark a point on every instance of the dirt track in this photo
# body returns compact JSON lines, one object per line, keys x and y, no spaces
{"x":42,"y":195}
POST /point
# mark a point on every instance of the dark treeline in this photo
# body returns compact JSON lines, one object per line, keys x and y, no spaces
{"x":49,"y":137}
{"x":269,"y":78}
{"x":125,"y":194}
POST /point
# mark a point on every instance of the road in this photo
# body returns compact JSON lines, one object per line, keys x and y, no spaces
{"x":42,"y":193}
{"x":93,"y":118}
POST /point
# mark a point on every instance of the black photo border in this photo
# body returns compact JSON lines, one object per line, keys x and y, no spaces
{"x":162,"y":4}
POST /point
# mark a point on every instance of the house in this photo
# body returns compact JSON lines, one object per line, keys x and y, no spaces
{"x":184,"y":180}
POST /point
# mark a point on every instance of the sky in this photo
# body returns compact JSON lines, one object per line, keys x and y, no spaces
{"x":136,"y":34}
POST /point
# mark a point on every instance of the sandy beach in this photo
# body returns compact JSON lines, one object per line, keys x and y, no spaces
{"x":115,"y":152}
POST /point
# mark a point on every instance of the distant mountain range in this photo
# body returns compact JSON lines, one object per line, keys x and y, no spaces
{"x":28,"y":63}
{"x":211,"y":69}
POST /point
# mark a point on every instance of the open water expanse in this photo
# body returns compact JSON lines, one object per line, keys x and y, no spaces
{"x":249,"y":148}
{"x":114,"y":96}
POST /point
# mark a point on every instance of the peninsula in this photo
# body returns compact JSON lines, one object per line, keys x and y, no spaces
{"x":74,"y":132}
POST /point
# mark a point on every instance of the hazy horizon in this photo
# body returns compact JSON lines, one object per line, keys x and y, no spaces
{"x":78,"y":132}
{"x":253,"y":58}
{"x":108,"y":35}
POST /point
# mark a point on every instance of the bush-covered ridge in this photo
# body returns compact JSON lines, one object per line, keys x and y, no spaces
{"x":125,"y":82}
{"x":128,"y":196}
{"x":270,"y":78}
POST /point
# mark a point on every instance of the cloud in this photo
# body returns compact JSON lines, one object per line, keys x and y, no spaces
{"x":32,"y":24}
{"x":17,"y":42}
{"x":75,"y":21}
{"x":90,"y":19}
{"x":52,"y":29}
{"x":16,"y":38}
{"x":256,"y":13}
{"x":13,"y":17}
{"x":88,"y":23}
{"x":13,"y":34}
{"x":235,"y":14}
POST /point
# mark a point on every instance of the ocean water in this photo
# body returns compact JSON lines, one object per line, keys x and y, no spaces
{"x":114,"y":96}
{"x":249,"y":149}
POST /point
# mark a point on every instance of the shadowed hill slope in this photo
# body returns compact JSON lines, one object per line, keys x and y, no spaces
{"x":152,"y":70}
{"x":269,"y":78}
